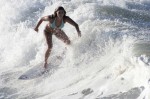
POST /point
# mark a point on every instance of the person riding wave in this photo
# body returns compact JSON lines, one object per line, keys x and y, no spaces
{"x":54,"y":27}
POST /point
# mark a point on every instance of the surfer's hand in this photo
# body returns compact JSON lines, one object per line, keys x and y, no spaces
{"x":36,"y":29}
{"x":79,"y":33}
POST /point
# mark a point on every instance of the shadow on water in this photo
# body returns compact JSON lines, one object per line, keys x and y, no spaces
{"x":133,"y":93}
{"x":8,"y":93}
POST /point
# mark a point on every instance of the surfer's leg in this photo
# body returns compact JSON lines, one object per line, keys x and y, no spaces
{"x":48,"y":37}
{"x":62,"y":36}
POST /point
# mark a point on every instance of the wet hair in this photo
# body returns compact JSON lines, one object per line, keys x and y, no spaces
{"x":57,"y":9}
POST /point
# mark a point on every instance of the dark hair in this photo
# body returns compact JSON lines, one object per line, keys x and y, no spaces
{"x":55,"y":12}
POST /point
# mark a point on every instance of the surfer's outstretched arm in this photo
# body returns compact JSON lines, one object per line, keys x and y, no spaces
{"x":69,"y":20}
{"x":46,"y":18}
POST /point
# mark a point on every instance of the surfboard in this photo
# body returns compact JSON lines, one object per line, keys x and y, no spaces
{"x":39,"y":70}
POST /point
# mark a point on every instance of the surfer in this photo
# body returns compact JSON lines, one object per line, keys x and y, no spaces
{"x":54,"y":27}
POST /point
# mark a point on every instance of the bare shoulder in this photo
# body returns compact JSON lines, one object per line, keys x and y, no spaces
{"x":47,"y":18}
{"x":67,"y":18}
{"x":51,"y":18}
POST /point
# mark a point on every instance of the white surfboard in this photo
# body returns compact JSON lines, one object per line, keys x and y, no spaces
{"x":39,"y":70}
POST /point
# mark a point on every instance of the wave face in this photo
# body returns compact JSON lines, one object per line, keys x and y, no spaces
{"x":110,"y":61}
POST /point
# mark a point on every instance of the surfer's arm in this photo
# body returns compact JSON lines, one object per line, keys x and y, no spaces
{"x":70,"y":21}
{"x":46,"y":18}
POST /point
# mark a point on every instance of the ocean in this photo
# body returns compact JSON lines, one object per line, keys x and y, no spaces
{"x":111,"y":60}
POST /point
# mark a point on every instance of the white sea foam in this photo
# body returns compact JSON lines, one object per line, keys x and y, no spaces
{"x":110,"y":60}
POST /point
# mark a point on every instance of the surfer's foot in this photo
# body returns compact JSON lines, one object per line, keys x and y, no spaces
{"x":45,"y":65}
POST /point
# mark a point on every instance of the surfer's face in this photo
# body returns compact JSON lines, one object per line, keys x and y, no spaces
{"x":60,"y":13}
